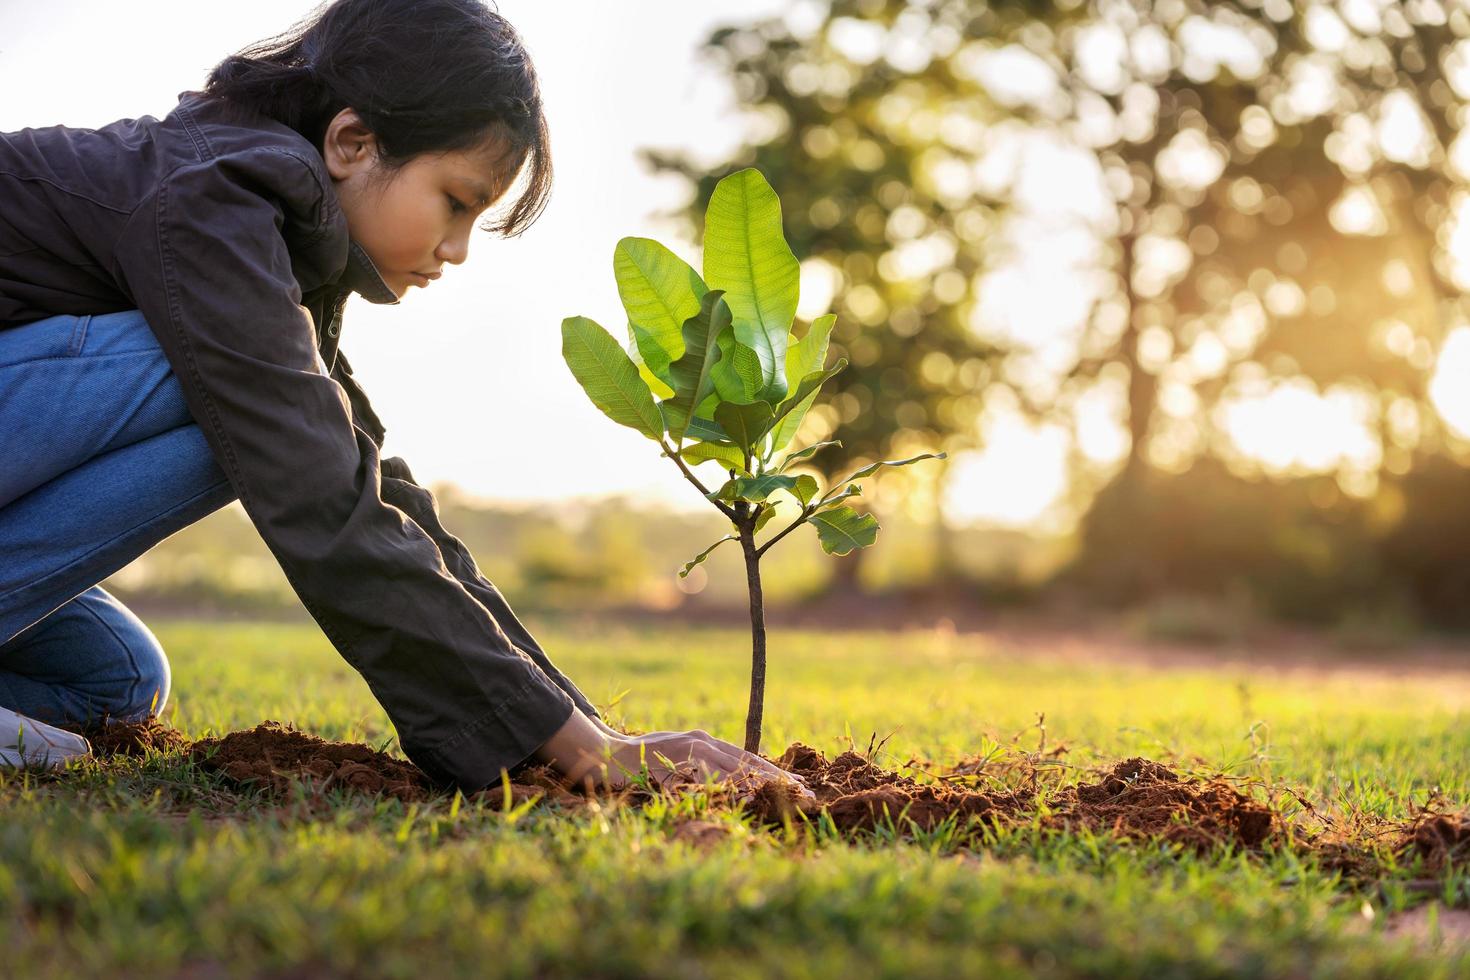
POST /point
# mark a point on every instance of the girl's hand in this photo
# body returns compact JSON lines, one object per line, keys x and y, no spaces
{"x":585,"y":750}
{"x":691,"y":757}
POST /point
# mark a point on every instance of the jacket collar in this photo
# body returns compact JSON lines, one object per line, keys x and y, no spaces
{"x":362,"y":277}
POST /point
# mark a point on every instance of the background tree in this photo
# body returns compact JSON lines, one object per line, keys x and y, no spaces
{"x":849,"y":119}
{"x":1238,"y":208}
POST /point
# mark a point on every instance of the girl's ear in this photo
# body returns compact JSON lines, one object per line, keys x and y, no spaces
{"x":349,"y":147}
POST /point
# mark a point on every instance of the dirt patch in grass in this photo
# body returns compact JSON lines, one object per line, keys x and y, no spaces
{"x":1135,"y":799}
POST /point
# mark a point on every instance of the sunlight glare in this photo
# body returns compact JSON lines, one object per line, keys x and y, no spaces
{"x":1447,"y":388}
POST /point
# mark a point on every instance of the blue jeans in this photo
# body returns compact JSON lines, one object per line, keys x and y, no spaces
{"x":99,"y":461}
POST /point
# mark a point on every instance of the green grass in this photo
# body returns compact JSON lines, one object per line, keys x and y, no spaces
{"x":145,"y":867}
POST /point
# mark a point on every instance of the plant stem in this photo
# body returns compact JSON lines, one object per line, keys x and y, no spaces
{"x":756,"y":711}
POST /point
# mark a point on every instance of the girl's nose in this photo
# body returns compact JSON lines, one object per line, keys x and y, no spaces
{"x":454,"y":250}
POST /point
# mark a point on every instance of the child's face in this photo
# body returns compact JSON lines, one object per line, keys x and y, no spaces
{"x":420,"y":220}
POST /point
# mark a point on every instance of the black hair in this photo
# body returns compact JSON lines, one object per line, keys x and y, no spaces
{"x":425,"y":76}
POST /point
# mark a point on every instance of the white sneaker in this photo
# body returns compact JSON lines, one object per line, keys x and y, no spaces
{"x":35,"y":744}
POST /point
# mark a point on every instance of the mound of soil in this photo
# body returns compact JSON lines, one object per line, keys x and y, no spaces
{"x":270,"y":755}
{"x":1142,"y":799}
{"x":857,"y":795}
{"x":1442,"y":839}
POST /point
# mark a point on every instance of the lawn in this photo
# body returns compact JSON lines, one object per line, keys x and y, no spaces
{"x":154,"y":867}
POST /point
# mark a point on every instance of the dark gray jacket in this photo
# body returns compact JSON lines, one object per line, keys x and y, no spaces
{"x":223,"y":227}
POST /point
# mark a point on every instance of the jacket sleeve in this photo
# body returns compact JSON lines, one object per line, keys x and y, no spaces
{"x":206,"y":262}
{"x":405,"y":493}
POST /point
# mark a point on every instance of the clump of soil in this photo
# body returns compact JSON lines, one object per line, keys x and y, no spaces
{"x":270,"y":755}
{"x":1442,"y":839}
{"x":133,"y":738}
{"x":1141,"y":799}
{"x":857,"y":795}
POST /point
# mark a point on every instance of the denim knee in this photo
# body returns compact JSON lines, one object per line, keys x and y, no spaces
{"x":141,"y":678}
{"x":90,"y":659}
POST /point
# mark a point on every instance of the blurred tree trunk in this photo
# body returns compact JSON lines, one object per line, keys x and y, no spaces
{"x":945,"y":569}
{"x":847,"y":574}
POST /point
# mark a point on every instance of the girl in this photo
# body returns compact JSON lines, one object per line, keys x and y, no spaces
{"x":171,"y":296}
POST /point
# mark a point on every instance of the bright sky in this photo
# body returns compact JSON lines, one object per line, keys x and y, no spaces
{"x":468,"y":375}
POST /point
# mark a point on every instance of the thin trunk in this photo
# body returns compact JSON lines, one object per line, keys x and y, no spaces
{"x":756,"y":711}
{"x":1142,"y":386}
{"x":945,"y":568}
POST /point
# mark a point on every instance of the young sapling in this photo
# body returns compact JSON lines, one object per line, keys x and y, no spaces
{"x":713,"y":372}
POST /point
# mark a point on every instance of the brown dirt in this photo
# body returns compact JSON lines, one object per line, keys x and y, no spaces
{"x":270,"y":756}
{"x":1135,"y":799}
{"x":134,"y":738}
{"x":1439,"y":838}
{"x":857,"y":795}
{"x":1142,"y":799}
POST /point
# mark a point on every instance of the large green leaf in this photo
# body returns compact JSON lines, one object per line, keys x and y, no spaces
{"x":745,"y":254}
{"x":873,"y":468}
{"x":802,"y":358}
{"x":843,"y":529}
{"x":607,"y":374}
{"x":745,"y":424}
{"x":660,"y":291}
{"x":754,"y":488}
{"x":690,"y":374}
{"x":689,"y":565}
{"x":728,"y":456}
{"x":655,"y":384}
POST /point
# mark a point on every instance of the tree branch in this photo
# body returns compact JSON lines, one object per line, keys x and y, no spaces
{"x":805,"y":513}
{"x":679,"y":461}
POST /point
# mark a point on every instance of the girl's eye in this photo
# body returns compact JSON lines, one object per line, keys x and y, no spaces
{"x":454,"y":205}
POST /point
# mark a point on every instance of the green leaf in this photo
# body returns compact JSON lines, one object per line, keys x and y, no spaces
{"x":763,"y":518}
{"x":808,"y":388}
{"x":754,"y":488}
{"x":729,"y":456}
{"x":844,"y":529}
{"x":738,"y":375}
{"x":744,"y":423}
{"x":689,"y":565}
{"x":690,"y":374}
{"x":852,"y":490}
{"x":706,"y":429}
{"x":606,"y":373}
{"x":745,"y":254}
{"x":805,"y":488}
{"x":654,"y":382}
{"x":802,"y":358}
{"x":806,"y":453}
{"x":870,"y":470}
{"x":660,"y":291}
{"x":810,"y":352}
